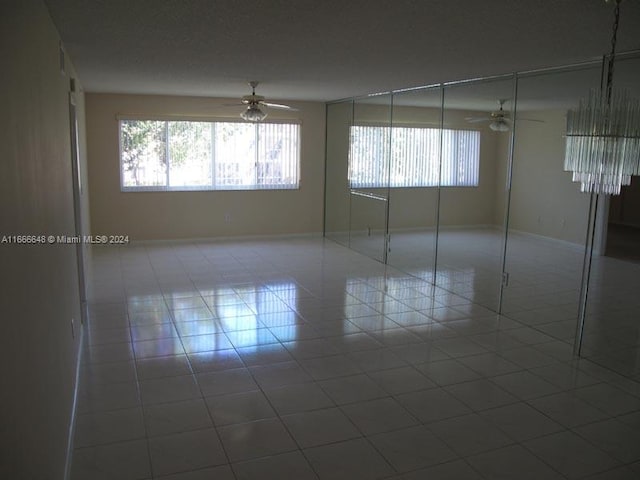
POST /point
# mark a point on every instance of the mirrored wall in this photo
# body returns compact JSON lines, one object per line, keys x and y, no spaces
{"x":611,"y":330}
{"x":462,"y":185}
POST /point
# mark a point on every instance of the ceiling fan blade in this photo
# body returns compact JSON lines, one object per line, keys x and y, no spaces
{"x":238,"y":104}
{"x":278,"y":105}
{"x":530,"y":120}
{"x":478,"y":119}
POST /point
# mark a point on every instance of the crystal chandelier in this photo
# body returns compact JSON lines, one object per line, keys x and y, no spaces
{"x":603,"y":135}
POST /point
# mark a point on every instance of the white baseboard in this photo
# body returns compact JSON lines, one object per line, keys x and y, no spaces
{"x":559,"y":241}
{"x":235,"y":238}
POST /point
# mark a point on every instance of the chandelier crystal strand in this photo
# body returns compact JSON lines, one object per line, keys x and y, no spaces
{"x":603,"y":135}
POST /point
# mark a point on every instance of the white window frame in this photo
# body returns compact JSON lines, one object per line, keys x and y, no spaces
{"x":213,"y":187}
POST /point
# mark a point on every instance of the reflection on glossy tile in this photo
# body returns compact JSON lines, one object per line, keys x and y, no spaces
{"x":239,"y":408}
{"x":266,"y":354}
{"x":215,"y":360}
{"x":205,"y":343}
{"x":160,"y":347}
{"x":169,"y":366}
{"x":297,"y":358}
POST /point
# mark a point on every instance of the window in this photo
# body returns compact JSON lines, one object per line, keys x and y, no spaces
{"x":415,"y":157}
{"x":193,"y":155}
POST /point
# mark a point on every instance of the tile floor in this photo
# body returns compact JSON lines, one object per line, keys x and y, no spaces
{"x":301,"y":359}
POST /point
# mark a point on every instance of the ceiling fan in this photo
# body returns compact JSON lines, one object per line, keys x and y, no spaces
{"x":256,"y":104}
{"x":500,"y":121}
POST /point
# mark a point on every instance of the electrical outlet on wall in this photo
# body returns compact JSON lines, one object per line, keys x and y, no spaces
{"x":227,"y":218}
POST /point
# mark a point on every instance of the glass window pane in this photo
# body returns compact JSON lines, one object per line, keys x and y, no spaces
{"x":144,"y":153}
{"x":235,"y":154}
{"x":189,"y":154}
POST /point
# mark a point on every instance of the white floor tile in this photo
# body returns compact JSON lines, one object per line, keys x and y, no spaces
{"x":378,"y":416}
{"x":239,"y":408}
{"x":347,"y":461}
{"x":571,"y":455}
{"x":176,"y":417}
{"x":245,"y":334}
{"x":412,"y":448}
{"x":319,"y":427}
{"x":123,"y":460}
{"x":277,"y":467}
{"x":182,"y":452}
{"x":244,"y":441}
{"x":512,"y":462}
{"x":470,"y":434}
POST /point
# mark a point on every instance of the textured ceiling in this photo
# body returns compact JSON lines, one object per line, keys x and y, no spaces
{"x":325,"y":49}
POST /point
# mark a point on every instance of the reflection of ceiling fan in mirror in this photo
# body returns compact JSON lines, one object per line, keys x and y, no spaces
{"x":256,"y":104}
{"x":500,"y":121}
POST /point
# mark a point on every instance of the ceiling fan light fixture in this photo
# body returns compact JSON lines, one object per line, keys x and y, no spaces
{"x":253,"y":113}
{"x":499,"y":125}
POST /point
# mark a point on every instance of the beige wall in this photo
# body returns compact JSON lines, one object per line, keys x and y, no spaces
{"x":503,"y":147}
{"x":175,"y":215}
{"x":544,"y":200}
{"x":339,"y":118}
{"x":39,"y":282}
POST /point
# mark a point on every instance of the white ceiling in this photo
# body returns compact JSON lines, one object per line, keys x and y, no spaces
{"x":325,"y":49}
